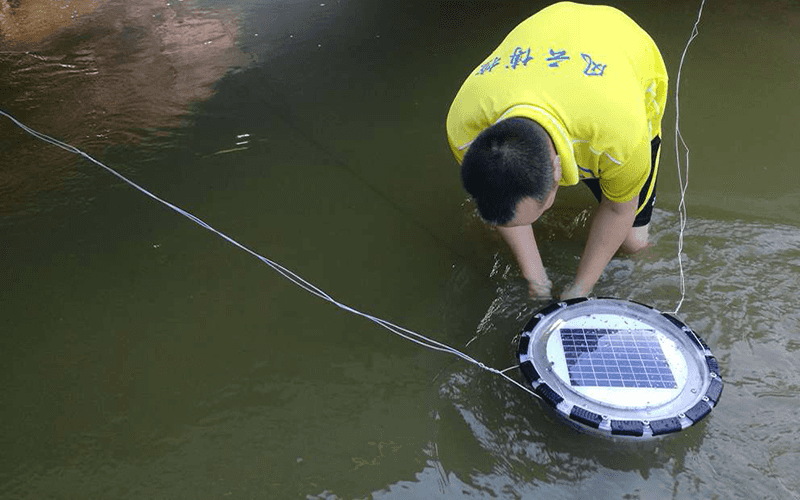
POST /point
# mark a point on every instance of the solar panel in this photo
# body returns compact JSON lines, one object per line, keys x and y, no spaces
{"x":607,"y":357}
{"x":618,"y":368}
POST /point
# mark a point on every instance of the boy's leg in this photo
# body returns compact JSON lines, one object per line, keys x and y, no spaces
{"x":637,"y":236}
{"x":636,"y":239}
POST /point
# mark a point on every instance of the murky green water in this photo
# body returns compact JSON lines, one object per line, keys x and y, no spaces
{"x":143,"y":357}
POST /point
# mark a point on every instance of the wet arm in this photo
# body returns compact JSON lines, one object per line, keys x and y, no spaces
{"x":611,"y":224}
{"x":522,"y":243}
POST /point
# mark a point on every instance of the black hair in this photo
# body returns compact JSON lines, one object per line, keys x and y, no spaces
{"x":507,"y":162}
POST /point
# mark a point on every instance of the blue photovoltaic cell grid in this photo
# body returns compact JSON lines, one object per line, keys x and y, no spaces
{"x":607,"y":357}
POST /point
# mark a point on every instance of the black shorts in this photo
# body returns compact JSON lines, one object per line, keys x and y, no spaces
{"x":645,"y":204}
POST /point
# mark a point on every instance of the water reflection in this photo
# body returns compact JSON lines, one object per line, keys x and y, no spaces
{"x":30,"y":21}
{"x":742,"y":278}
{"x":100,"y":74}
{"x":524,"y":446}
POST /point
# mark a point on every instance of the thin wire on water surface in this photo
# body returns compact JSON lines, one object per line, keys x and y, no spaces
{"x":683,"y":178}
{"x":405,"y":333}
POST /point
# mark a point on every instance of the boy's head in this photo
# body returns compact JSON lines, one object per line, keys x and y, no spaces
{"x":511,"y":170}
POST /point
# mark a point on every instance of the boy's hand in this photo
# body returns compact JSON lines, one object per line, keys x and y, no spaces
{"x":573,"y":291}
{"x":540,"y":289}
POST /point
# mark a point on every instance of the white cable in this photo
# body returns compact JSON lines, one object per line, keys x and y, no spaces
{"x":683,"y":179}
{"x":407,"y":334}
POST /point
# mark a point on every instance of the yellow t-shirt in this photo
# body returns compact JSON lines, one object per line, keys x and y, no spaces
{"x":590,"y":76}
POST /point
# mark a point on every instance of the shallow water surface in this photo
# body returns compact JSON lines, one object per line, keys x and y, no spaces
{"x":144,"y":357}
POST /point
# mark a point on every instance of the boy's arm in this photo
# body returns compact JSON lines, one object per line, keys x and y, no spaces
{"x":611,"y":224}
{"x":523,"y":245}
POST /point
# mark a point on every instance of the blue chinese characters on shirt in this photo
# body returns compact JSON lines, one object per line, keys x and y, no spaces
{"x":520,"y":56}
{"x":553,"y":58}
{"x":488,"y":66}
{"x":557,"y":57}
{"x":593,"y":68}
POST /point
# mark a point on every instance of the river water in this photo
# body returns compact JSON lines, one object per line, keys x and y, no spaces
{"x":144,"y":357}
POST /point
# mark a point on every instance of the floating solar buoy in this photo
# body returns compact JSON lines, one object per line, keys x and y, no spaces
{"x":619,"y":368}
